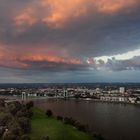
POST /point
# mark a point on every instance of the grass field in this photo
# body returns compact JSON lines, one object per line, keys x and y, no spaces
{"x":56,"y":130}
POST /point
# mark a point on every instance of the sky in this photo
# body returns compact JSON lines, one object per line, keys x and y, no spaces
{"x":52,"y":41}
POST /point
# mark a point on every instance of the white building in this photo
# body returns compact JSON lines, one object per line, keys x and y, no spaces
{"x":132,"y":99}
{"x":97,"y":90}
{"x":122,"y":90}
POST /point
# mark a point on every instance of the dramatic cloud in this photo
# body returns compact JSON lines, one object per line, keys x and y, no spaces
{"x":118,"y":65}
{"x":69,"y":36}
{"x":39,"y":61}
{"x":56,"y":13}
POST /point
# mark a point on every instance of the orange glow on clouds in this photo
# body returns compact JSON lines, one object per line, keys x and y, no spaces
{"x":9,"y":58}
{"x":50,"y":58}
{"x":109,"y":6}
{"x":62,"y":10}
{"x":26,"y":17}
{"x":56,"y":13}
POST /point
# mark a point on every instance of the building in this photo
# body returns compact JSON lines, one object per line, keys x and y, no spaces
{"x":122,"y":90}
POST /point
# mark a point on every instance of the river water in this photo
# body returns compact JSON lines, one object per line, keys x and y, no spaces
{"x":113,"y":120}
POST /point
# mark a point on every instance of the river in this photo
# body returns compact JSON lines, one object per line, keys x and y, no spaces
{"x":114,"y":121}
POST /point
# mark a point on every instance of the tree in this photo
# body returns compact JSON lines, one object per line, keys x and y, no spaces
{"x":9,"y":136}
{"x":2,"y":103}
{"x":29,"y":104}
{"x":20,"y":113}
{"x":14,"y":107}
{"x":2,"y":130}
{"x":14,"y":121}
{"x":28,"y":113}
{"x":15,"y":128}
{"x":25,"y":124}
{"x":49,"y":113}
{"x":5,"y":118}
{"x":24,"y":112}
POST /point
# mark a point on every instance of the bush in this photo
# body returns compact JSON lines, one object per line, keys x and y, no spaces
{"x":59,"y":118}
{"x":49,"y":113}
{"x":25,"y":124}
{"x":45,"y":138}
{"x":9,"y":136}
{"x":15,"y":128}
{"x":70,"y":121}
{"x":2,"y":130}
{"x":76,"y":124}
{"x":81,"y":127}
{"x":28,"y":113}
{"x":20,"y":114}
{"x":2,"y":103}
{"x":24,"y":112}
{"x":14,"y":107}
{"x":5,"y":118}
{"x":29,"y":104}
{"x":25,"y":137}
{"x":98,"y":136}
{"x":66,"y":120}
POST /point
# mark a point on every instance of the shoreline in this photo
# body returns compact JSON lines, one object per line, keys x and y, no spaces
{"x":18,"y":98}
{"x":87,"y":99}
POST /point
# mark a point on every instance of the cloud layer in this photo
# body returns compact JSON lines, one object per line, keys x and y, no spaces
{"x":68,"y":35}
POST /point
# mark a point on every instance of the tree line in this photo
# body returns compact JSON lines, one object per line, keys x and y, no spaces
{"x":15,"y":120}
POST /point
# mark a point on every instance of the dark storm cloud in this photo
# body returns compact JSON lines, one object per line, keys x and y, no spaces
{"x":55,"y":67}
{"x":60,"y":35}
{"x":113,"y":35}
{"x":95,"y":35}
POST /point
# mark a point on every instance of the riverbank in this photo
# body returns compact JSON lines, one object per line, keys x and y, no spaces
{"x":56,"y":130}
{"x":18,"y":98}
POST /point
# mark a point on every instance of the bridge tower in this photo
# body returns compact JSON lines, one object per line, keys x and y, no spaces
{"x":24,"y":96}
{"x":65,"y":93}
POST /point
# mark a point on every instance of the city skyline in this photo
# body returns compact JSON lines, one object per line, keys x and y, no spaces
{"x":69,"y":41}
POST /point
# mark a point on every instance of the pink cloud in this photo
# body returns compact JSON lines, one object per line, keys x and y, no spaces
{"x":56,"y":13}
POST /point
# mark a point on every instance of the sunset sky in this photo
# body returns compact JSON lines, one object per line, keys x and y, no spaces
{"x":69,"y":41}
